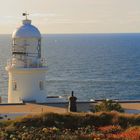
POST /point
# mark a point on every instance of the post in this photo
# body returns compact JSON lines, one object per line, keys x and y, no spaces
{"x":72,"y":103}
{"x":0,"y":99}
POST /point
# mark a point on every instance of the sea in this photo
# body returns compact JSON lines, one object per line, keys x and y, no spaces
{"x":94,"y":66}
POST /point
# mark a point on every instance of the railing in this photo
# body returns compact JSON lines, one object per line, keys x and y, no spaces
{"x":18,"y":50}
{"x":26,"y":64}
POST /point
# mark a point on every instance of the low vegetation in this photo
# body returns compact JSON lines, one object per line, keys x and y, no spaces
{"x":108,"y":105}
{"x":73,"y":126}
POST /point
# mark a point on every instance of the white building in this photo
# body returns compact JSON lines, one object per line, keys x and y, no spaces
{"x":26,"y":68}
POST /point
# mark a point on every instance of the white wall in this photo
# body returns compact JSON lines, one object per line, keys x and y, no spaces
{"x":27,"y":85}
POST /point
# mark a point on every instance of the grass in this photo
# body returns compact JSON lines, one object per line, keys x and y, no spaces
{"x":72,"y":126}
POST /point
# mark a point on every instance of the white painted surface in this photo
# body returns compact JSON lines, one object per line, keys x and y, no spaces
{"x":26,"y":69}
{"x":28,"y":88}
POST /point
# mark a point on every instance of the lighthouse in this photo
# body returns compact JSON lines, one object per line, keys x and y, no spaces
{"x":26,"y":68}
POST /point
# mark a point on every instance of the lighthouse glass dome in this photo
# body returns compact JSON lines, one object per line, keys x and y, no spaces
{"x":26,"y":30}
{"x":26,"y":48}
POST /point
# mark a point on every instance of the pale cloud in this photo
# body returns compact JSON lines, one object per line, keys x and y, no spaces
{"x":8,"y":20}
{"x":65,"y":16}
{"x":60,"y":21}
{"x":70,"y":21}
{"x":44,"y":15}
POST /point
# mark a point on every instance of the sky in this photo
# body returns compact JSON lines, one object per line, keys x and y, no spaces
{"x":72,"y":16}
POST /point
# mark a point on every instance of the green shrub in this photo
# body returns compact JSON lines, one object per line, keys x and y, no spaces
{"x":137,"y":120}
{"x":109,"y":105}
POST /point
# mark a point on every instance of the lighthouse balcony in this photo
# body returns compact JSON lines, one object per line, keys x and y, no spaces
{"x":26,"y":63}
{"x":18,"y":50}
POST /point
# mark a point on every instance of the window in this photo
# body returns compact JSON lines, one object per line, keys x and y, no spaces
{"x":14,"y":85}
{"x":41,"y":85}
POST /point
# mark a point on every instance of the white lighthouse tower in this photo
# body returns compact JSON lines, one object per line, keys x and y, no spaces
{"x":26,"y":68}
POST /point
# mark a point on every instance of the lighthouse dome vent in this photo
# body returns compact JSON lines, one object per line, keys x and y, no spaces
{"x":26,"y":30}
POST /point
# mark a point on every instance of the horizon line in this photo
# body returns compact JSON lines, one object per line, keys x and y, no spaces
{"x":80,"y":33}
